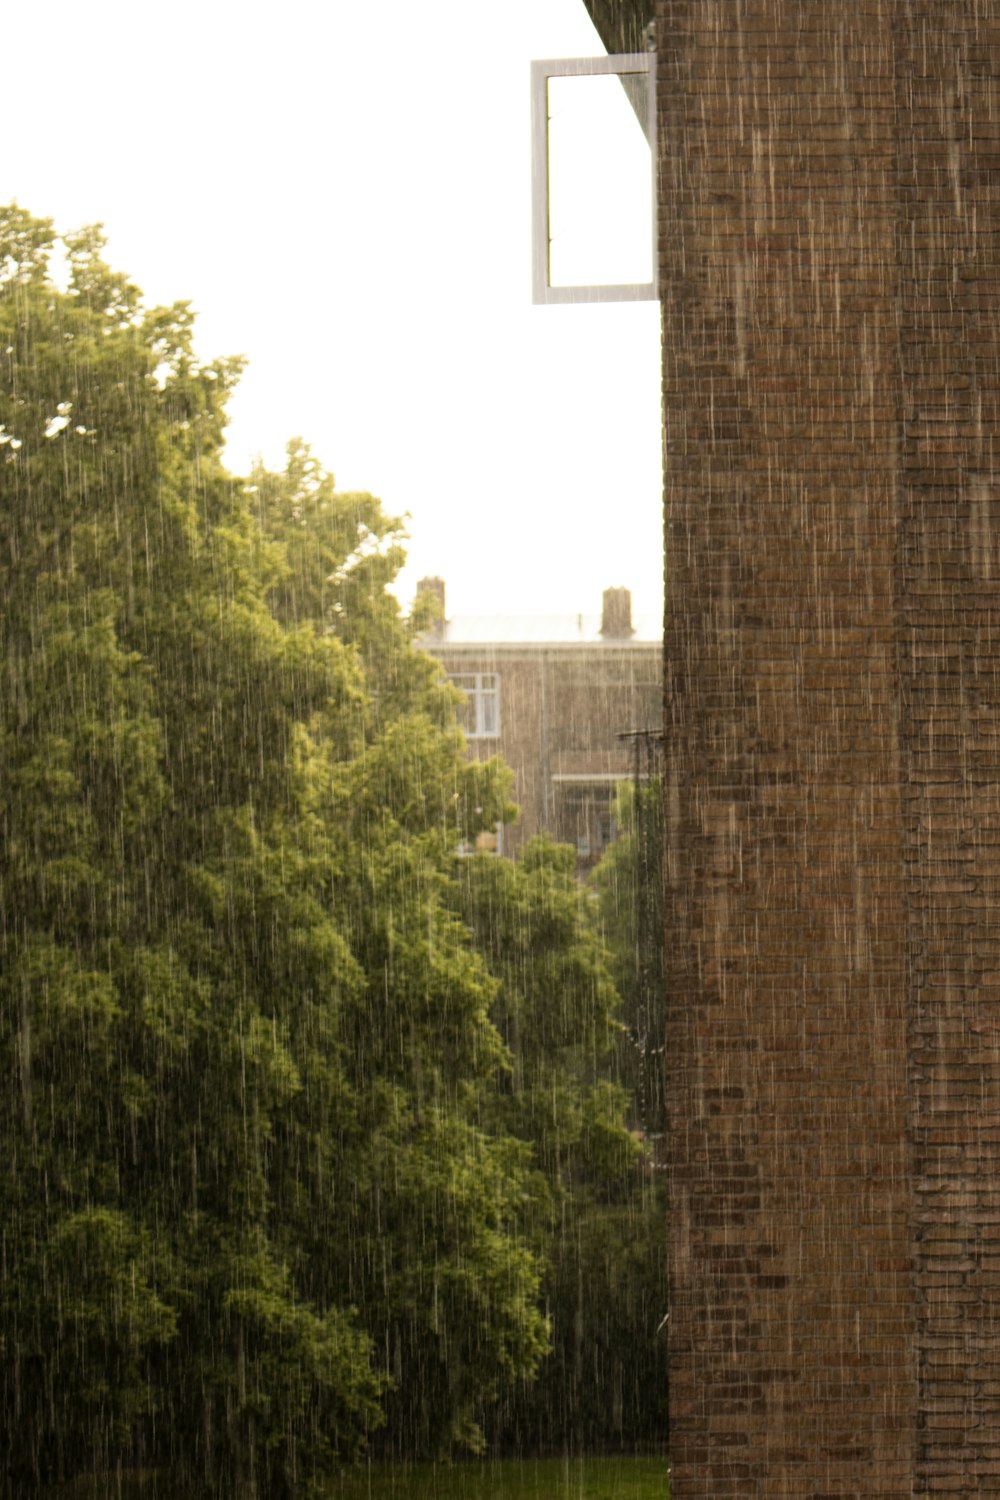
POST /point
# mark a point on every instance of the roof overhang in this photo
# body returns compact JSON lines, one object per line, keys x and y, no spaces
{"x":621,"y":24}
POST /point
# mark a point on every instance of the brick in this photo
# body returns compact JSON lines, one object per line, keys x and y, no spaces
{"x":829,"y":227}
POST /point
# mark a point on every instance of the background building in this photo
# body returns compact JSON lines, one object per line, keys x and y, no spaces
{"x":553,"y":695}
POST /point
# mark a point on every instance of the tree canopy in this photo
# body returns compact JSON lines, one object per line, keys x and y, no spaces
{"x":243,"y":1030}
{"x":598,"y":1212}
{"x":294,"y":1097}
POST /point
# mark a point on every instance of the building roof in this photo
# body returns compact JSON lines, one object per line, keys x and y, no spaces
{"x":540,"y":630}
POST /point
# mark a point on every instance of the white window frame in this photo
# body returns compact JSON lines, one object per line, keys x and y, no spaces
{"x":542,"y":292}
{"x":476,"y":695}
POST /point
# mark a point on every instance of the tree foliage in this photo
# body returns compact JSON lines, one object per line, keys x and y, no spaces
{"x":597,"y":1214}
{"x":243,"y":1032}
{"x":629,"y":886}
{"x":313,"y":1133}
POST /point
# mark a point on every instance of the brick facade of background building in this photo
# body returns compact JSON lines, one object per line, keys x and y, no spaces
{"x":552,"y":695}
{"x":829,"y":232}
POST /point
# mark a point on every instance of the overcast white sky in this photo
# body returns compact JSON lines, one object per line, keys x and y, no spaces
{"x":343,"y":192}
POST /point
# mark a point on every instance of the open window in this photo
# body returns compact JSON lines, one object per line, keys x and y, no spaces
{"x":593,"y":124}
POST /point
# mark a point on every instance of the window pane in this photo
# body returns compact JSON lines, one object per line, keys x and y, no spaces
{"x":466,"y":712}
{"x":488,"y":717}
{"x":600,"y":180}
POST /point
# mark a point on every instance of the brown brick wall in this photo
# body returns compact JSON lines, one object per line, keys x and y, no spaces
{"x":792,"y":1311}
{"x":948,"y":169}
{"x":830,"y":229}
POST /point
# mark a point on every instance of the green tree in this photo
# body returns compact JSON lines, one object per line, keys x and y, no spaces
{"x":596,"y":1213}
{"x":252,"y":1193}
{"x":629,"y":884}
{"x":428,"y":1196}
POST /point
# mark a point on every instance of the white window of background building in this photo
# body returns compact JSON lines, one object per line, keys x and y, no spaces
{"x":479,"y":716}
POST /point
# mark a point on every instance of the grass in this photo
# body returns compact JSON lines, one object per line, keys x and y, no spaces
{"x":527,"y":1479}
{"x":510,"y":1479}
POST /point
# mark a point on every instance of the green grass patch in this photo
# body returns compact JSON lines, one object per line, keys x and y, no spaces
{"x":485,"y":1479}
{"x":525,"y":1479}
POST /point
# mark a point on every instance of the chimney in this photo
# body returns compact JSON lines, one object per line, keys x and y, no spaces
{"x":616,"y":613}
{"x":434,"y":589}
